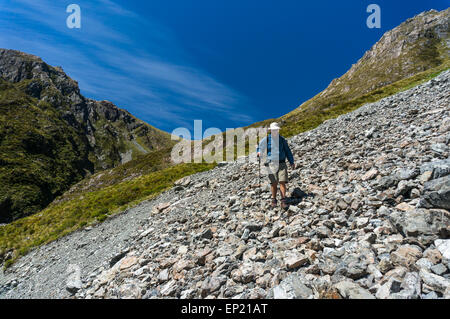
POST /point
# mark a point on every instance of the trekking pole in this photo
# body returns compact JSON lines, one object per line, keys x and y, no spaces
{"x":259,"y":181}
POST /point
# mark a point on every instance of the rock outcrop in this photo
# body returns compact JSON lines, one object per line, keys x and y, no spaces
{"x":420,"y":43}
{"x":51,"y":136}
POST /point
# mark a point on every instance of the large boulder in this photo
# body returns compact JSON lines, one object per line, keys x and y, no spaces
{"x":292,"y":287}
{"x":425,"y":224}
{"x":436,"y":193}
{"x":438,"y":168}
{"x":351,"y":290}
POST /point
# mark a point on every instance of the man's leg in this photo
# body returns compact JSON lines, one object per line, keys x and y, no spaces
{"x":273,"y":188}
{"x":283,"y":189}
{"x":283,"y":178}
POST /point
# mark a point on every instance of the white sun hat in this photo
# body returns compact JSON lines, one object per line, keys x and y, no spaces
{"x":274,"y":126}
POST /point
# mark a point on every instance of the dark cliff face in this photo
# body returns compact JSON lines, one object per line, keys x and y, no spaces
{"x":52,"y":85}
{"x":51,"y":136}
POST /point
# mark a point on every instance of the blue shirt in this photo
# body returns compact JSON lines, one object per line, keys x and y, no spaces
{"x":280,"y":149}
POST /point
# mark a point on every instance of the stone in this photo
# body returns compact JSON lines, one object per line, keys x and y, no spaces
{"x":407,"y":173}
{"x":411,"y":283}
{"x":437,"y":283}
{"x":292,"y":287}
{"x":439,"y":269}
{"x":240,"y":251}
{"x":207,"y":234}
{"x":245,"y":234}
{"x":370,"y":175}
{"x":182,"y":250}
{"x":440,"y":148}
{"x":390,"y":287}
{"x":436,"y":193}
{"x":225,"y":250}
{"x":169,"y":289}
{"x":185,"y":181}
{"x":163,"y":206}
{"x":371,"y":238}
{"x":404,"y":207}
{"x":385,"y":265}
{"x":437,"y":168}
{"x":417,"y":223}
{"x":187,"y":294}
{"x":73,"y":282}
{"x":424,"y":263}
{"x":163,"y":275}
{"x":182,"y":264}
{"x":384,"y":291}
{"x":430,"y":295}
{"x":323,"y":232}
{"x":295,"y":260}
{"x":433,"y":255}
{"x":247,"y":273}
{"x":130,"y":291}
{"x":211,"y":285}
{"x":396,"y":273}
{"x":403,"y":188}
{"x":116,"y":258}
{"x":253,"y":227}
{"x":128,"y":262}
{"x":351,"y":290}
{"x":201,"y":255}
{"x":443,"y":245}
{"x":425,"y":177}
{"x":386,"y":182}
{"x":250,"y":254}
{"x":406,"y":256}
{"x":362,"y":222}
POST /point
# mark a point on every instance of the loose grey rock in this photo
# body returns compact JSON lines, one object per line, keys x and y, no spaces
{"x":351,"y":290}
{"x":292,"y":287}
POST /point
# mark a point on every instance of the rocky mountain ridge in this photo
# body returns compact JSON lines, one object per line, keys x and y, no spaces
{"x":419,"y":44}
{"x":368,"y":218}
{"x":52,"y":85}
{"x":51,"y":136}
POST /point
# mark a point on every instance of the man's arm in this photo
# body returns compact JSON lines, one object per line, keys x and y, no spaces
{"x":262,"y":146}
{"x":288,"y":152}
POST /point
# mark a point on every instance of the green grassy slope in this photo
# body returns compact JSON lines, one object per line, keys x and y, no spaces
{"x":66,"y":216}
{"x":40,"y":155}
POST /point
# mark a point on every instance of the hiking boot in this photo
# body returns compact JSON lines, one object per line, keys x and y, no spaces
{"x":274,"y":202}
{"x":284,"y":204}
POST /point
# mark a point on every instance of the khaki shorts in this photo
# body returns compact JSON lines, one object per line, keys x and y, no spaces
{"x":277,"y":174}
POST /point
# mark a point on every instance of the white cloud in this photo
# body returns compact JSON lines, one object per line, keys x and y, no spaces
{"x":110,"y":64}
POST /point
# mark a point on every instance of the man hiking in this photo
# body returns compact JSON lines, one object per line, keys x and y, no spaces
{"x":277,"y":149}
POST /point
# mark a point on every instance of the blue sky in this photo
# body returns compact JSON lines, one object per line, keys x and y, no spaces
{"x":227,"y":62}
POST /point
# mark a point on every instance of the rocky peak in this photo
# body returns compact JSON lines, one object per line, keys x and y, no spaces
{"x":52,"y":85}
{"x":401,"y":48}
{"x":16,"y":66}
{"x":418,"y":44}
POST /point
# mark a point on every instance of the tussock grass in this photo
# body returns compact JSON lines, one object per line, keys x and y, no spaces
{"x":63,"y":218}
